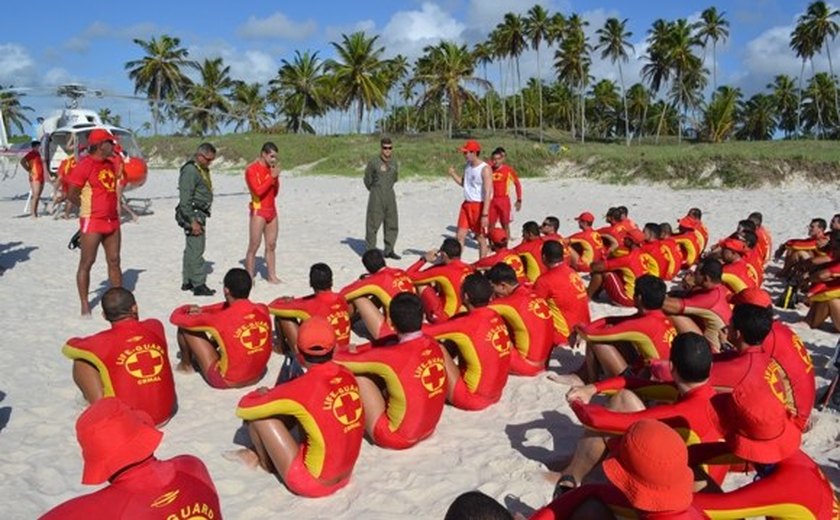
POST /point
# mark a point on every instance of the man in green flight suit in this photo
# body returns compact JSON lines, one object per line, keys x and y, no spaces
{"x":380,"y":175}
{"x":195,"y":190}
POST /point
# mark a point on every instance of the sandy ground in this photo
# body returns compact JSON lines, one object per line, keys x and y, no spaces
{"x":506,"y":451}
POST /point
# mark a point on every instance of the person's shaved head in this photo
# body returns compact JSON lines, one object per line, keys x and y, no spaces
{"x":118,"y":303}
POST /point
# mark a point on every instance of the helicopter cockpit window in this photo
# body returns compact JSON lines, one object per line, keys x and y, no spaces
{"x":128,"y":143}
{"x":60,"y":146}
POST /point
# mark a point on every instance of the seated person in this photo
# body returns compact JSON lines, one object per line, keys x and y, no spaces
{"x":649,"y":478}
{"x":118,"y":446}
{"x":653,"y":258}
{"x":587,"y":242}
{"x":692,"y":415}
{"x":764,"y":246}
{"x":530,"y":250}
{"x":797,"y":249}
{"x":692,"y":237}
{"x":439,"y":284}
{"x":289,"y":312}
{"x":670,"y":250}
{"x":612,"y":234}
{"x":824,"y":288}
{"x":564,"y":291}
{"x":758,"y":430}
{"x":229,"y":341}
{"x":619,"y":345}
{"x":381,"y":283}
{"x":324,"y":403}
{"x":737,"y":273}
{"x":550,"y":229}
{"x":130,"y":360}
{"x":703,"y":306}
{"x":411,"y":368}
{"x":617,"y":276}
{"x":529,"y":320}
{"x":499,"y":246}
{"x":477,"y":366}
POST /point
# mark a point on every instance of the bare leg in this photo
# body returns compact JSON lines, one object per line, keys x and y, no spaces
{"x":289,"y":331}
{"x":271,"y":230}
{"x":609,"y":358}
{"x":817,"y":314}
{"x":452,"y":374}
{"x":195,"y":345}
{"x":370,"y":314}
{"x":372,"y":401}
{"x":275,"y":446}
{"x":461,"y":236}
{"x":834,"y":310}
{"x":87,"y":378}
{"x":111,"y":245}
{"x":37,"y":188}
{"x":256,"y":225}
{"x":684,"y":324}
{"x":88,"y":245}
{"x":595,"y":283}
{"x":482,"y":246}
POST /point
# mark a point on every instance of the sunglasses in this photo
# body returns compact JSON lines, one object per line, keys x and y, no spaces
{"x":387,"y":147}
{"x":207,"y":158}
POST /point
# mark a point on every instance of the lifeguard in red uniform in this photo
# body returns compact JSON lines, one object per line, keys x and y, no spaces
{"x":439,"y":285}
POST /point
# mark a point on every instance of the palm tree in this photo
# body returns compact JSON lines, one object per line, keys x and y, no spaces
{"x":802,"y":43}
{"x":572,"y":61}
{"x":396,"y":70}
{"x":721,"y":114}
{"x":820,"y":22}
{"x":360,"y":73}
{"x":537,"y":29}
{"x":819,"y":95}
{"x":560,"y":105}
{"x":785,"y":96}
{"x":108,"y":117}
{"x":759,"y":118}
{"x":657,"y":70}
{"x":445,"y":69}
{"x":299,"y":89}
{"x":512,"y":42}
{"x":688,"y":68}
{"x":613,"y":41}
{"x":604,"y":108}
{"x":12,"y":109}
{"x":250,"y":107}
{"x":209,"y":100}
{"x":713,"y":26}
{"x":160,"y":74}
{"x":638,"y":100}
{"x":483,"y":55}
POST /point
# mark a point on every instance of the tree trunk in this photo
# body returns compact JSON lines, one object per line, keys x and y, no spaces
{"x":361,"y":113}
{"x":521,"y":96}
{"x":486,"y":99}
{"x":679,"y":108}
{"x":513,"y":100}
{"x":539,"y":85}
{"x":714,"y":65}
{"x":833,"y":82}
{"x":817,"y":103}
{"x":627,"y":137}
{"x":799,"y":101}
{"x":504,"y":102}
{"x":156,"y":107}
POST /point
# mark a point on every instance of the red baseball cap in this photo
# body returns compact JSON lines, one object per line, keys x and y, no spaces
{"x":651,"y":468}
{"x":316,"y":336}
{"x":735,"y":245}
{"x":758,"y":426}
{"x":497,"y":235}
{"x":586,"y":217}
{"x":635,"y":235}
{"x":112,"y":436}
{"x":100,"y":135}
{"x":688,"y":223}
{"x":471,"y":146}
{"x":754,"y":296}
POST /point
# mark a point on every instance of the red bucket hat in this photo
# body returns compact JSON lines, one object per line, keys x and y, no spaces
{"x":586,"y":217}
{"x":316,"y":336}
{"x":497,"y":235}
{"x":735,"y":245}
{"x":471,"y":146}
{"x":758,"y":426}
{"x":651,"y":468}
{"x":100,"y":135}
{"x":754,"y":296}
{"x":112,"y":436}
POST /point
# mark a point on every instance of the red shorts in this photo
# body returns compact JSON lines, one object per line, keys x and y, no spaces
{"x":520,"y":367}
{"x":37,"y":177}
{"x":465,"y":400}
{"x":301,"y":482}
{"x":470,"y":217}
{"x":214,"y":377}
{"x":268,"y":214}
{"x":614,"y":287}
{"x":383,"y":436}
{"x":499,"y":211}
{"x":102,"y":226}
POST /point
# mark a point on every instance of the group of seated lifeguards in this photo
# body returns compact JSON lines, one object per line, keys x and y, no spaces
{"x":732,"y":381}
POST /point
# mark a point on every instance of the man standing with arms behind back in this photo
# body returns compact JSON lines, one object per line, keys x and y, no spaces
{"x":380,"y":175}
{"x":195,"y":191}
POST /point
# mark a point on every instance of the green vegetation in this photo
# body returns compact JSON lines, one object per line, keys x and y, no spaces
{"x":731,"y":164}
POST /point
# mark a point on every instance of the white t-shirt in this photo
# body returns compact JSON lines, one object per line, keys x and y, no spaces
{"x":473,"y":182}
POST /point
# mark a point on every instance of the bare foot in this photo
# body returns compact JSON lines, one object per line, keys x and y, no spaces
{"x":184,"y":368}
{"x":275,"y":280}
{"x":565,"y":379}
{"x":247,"y":457}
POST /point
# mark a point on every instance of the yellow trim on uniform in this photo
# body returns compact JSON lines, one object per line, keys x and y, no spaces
{"x":521,"y":336}
{"x":450,"y":297}
{"x":217,"y":338}
{"x":76,"y":353}
{"x":785,"y":510}
{"x":396,"y":405}
{"x":532,"y":268}
{"x":733,"y":282}
{"x":370,"y":290}
{"x":467,"y":350}
{"x":642,"y":342}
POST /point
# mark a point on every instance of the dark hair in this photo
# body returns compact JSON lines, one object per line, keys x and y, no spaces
{"x":665,"y":229}
{"x":238,"y":282}
{"x":478,"y":289}
{"x":451,"y":247}
{"x":552,"y":252}
{"x":269,"y":147}
{"x":695,"y":213}
{"x":613,"y":213}
{"x":406,"y":312}
{"x":654,"y":228}
{"x":385,"y":140}
{"x":651,"y":290}
{"x":711,"y":268}
{"x":749,"y":238}
{"x":205,"y":148}
{"x":500,"y":150}
{"x":531,"y":227}
{"x":117,"y":303}
{"x":320,"y":277}
{"x":475,"y":505}
{"x":747,"y":224}
{"x":622,"y":211}
{"x":502,"y":273}
{"x":756,"y":217}
{"x":317,"y":359}
{"x":373,"y":260}
{"x":820,"y":222}
{"x":691,"y":355}
{"x":552,"y":221}
{"x":752,"y":322}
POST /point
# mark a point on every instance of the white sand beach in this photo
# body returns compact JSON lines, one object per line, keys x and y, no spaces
{"x":506,"y":451}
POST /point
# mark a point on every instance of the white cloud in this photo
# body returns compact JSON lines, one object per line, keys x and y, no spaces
{"x":57,"y":76}
{"x":248,"y":65}
{"x":766,"y":56}
{"x":276,"y":26}
{"x":82,"y":42}
{"x":16,"y":65}
{"x":407,"y":32}
{"x":334,"y":32}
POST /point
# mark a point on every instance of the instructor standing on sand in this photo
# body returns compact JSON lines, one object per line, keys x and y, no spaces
{"x":380,"y":175}
{"x":195,"y":196}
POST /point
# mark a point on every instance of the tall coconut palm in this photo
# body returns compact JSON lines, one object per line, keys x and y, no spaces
{"x":445,"y":70}
{"x":537,"y":29}
{"x":572,"y":61}
{"x":758,"y":118}
{"x":13,"y":110}
{"x":785,"y":96}
{"x":499,"y":54}
{"x":613,"y":42}
{"x":820,"y":22}
{"x":712,"y":26}
{"x":560,"y":105}
{"x":250,"y":107}
{"x":817,"y":108}
{"x":721,"y":114}
{"x":802,"y":43}
{"x":638,"y":100}
{"x":209,"y":103}
{"x":687,"y":66}
{"x":604,"y":109}
{"x":512,"y":42}
{"x":359,"y":72}
{"x":299,"y":87}
{"x":108,"y":117}
{"x":657,"y":70}
{"x":395,"y":70}
{"x":483,"y":55}
{"x":160,"y":73}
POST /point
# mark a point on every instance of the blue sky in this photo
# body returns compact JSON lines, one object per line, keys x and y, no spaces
{"x":71,"y":43}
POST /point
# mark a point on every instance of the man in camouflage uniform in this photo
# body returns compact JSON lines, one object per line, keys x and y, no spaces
{"x":380,"y":175}
{"x":195,"y":189}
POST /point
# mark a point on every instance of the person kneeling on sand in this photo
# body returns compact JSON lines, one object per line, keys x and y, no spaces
{"x":229,"y":341}
{"x":118,"y":446}
{"x":325,"y":402}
